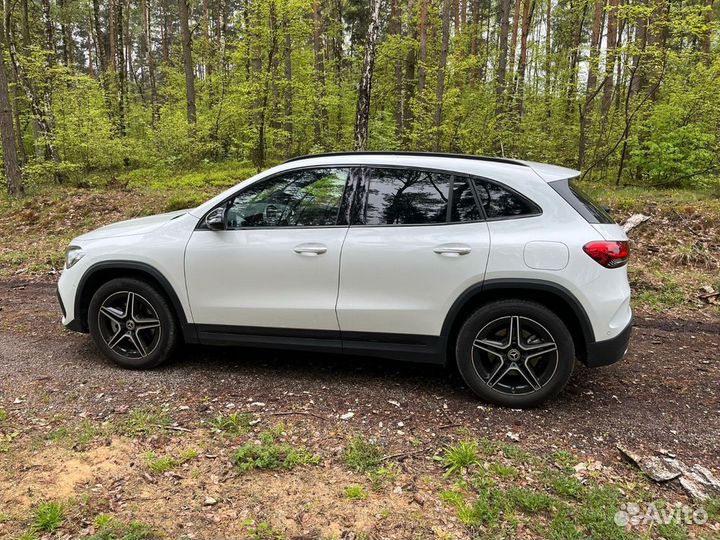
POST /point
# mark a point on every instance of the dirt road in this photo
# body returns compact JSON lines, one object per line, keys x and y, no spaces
{"x":664,"y":395}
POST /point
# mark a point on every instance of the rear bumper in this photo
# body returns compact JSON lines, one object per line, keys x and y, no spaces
{"x":609,"y":351}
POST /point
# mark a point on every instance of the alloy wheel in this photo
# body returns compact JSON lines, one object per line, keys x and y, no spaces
{"x":515,"y":355}
{"x":129,"y":324}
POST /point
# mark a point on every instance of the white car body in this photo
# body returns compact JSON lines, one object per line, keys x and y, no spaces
{"x":391,"y":290}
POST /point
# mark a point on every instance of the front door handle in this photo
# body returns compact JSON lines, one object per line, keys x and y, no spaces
{"x":310,"y":250}
{"x":452,"y":250}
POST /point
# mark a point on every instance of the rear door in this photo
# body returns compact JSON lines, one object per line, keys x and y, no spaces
{"x":417,"y":240}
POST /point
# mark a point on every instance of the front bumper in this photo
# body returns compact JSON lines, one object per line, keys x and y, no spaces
{"x":71,"y":324}
{"x":609,"y":351}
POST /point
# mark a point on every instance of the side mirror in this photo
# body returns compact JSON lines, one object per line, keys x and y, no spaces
{"x":215,"y":220}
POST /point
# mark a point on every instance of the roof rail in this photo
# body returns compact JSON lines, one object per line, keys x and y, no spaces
{"x":395,"y":153}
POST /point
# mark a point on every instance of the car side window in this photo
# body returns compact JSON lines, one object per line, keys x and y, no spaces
{"x":464,"y":206}
{"x":406,"y":197}
{"x":501,"y":202}
{"x":309,"y":197}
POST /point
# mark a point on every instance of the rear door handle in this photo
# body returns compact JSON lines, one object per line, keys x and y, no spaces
{"x":310,"y":250}
{"x":452,"y":250}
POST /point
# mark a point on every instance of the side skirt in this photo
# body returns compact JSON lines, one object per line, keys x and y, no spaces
{"x":404,"y":347}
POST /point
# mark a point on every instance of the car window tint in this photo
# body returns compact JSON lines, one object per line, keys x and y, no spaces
{"x":307,"y":198}
{"x":500,"y":202}
{"x":406,"y":197}
{"x":464,"y":207}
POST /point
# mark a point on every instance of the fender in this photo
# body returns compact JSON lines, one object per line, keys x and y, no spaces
{"x":517,"y":284}
{"x":189,"y":332}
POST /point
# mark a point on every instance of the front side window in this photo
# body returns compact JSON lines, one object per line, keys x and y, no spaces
{"x":308,"y":198}
{"x":501,"y":202}
{"x":406,"y":197}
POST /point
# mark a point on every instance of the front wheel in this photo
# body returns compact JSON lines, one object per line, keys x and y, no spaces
{"x":132,"y":323}
{"x":515,"y":353}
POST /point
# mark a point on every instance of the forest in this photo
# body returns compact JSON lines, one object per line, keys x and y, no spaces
{"x":627,"y":91}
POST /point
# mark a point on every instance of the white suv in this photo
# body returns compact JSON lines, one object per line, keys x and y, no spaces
{"x":501,"y":266}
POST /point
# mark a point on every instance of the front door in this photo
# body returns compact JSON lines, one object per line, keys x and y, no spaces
{"x":277,"y":263}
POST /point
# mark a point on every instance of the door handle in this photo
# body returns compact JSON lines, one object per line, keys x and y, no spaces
{"x":452,"y":250}
{"x":310,"y":250}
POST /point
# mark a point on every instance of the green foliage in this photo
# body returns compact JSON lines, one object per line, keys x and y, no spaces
{"x":271,"y":455}
{"x":460,"y":457}
{"x":110,"y":528}
{"x":355,"y":493}
{"x":48,"y":517}
{"x":3,"y":414}
{"x":363,"y":455}
{"x":145,"y":421}
{"x":232,"y":424}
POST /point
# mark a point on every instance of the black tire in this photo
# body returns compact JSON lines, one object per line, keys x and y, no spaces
{"x":132,"y":339}
{"x":501,"y":370}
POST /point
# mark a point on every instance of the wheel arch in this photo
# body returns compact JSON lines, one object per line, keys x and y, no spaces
{"x":105,"y":271}
{"x":551,"y":295}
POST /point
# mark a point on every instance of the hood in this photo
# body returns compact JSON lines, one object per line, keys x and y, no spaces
{"x":130,"y":227}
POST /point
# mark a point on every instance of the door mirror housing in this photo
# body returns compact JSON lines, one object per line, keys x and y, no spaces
{"x":215,"y":220}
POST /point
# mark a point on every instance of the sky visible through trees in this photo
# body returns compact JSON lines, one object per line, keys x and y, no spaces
{"x":625,"y":90}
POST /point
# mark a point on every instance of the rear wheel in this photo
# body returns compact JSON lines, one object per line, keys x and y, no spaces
{"x":132,"y":323}
{"x":515,"y":353}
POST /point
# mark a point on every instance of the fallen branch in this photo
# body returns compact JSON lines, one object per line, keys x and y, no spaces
{"x":176,"y":428}
{"x":288,"y":413}
{"x":406,"y":454}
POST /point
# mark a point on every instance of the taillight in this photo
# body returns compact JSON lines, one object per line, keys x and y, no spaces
{"x":609,"y":254}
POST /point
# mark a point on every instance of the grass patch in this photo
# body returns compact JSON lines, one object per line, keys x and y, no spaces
{"x":3,"y":414}
{"x":362,"y":455}
{"x":261,"y":531}
{"x":271,"y":455}
{"x":232,"y":424}
{"x":48,"y":517}
{"x":355,"y":493}
{"x":144,"y":422}
{"x":460,"y":457}
{"x":381,"y":476}
{"x":76,"y":437}
{"x":162,"y":464}
{"x":530,"y":501}
{"x":110,"y":528}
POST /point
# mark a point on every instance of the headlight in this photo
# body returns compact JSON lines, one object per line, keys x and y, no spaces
{"x":73,"y":255}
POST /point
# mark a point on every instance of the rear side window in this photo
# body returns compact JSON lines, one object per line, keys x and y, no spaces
{"x":581,"y":202}
{"x":464,"y":206}
{"x":501,"y":202}
{"x":406,"y":197}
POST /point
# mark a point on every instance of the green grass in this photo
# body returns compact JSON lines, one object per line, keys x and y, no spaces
{"x":261,"y":531}
{"x":232,"y":424}
{"x":564,"y":485}
{"x":110,"y":528}
{"x":48,"y":517}
{"x":712,"y":507}
{"x":530,"y":501}
{"x":460,"y":457}
{"x":381,"y":476}
{"x":272,"y":455}
{"x":3,"y":414}
{"x":362,"y":455}
{"x":355,"y":493}
{"x":144,"y":421}
{"x":77,"y":436}
{"x":162,"y":464}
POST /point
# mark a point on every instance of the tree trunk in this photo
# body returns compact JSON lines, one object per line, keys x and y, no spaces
{"x":513,"y":39}
{"x":12,"y":169}
{"x":612,"y":40}
{"x":149,"y":60}
{"x":112,"y":36}
{"x":102,"y":52}
{"x":288,"y":97}
{"x":362,"y":118}
{"x":707,"y":38}
{"x":422,"y":31}
{"x":187,"y":61}
{"x":49,"y":33}
{"x":502,"y":60}
{"x":528,"y":9}
{"x":65,"y":34}
{"x":120,"y":66}
{"x":590,"y":92}
{"x":321,"y":115}
{"x":440,"y":90}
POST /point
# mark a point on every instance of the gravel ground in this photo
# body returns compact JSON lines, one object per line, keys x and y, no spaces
{"x":664,"y":394}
